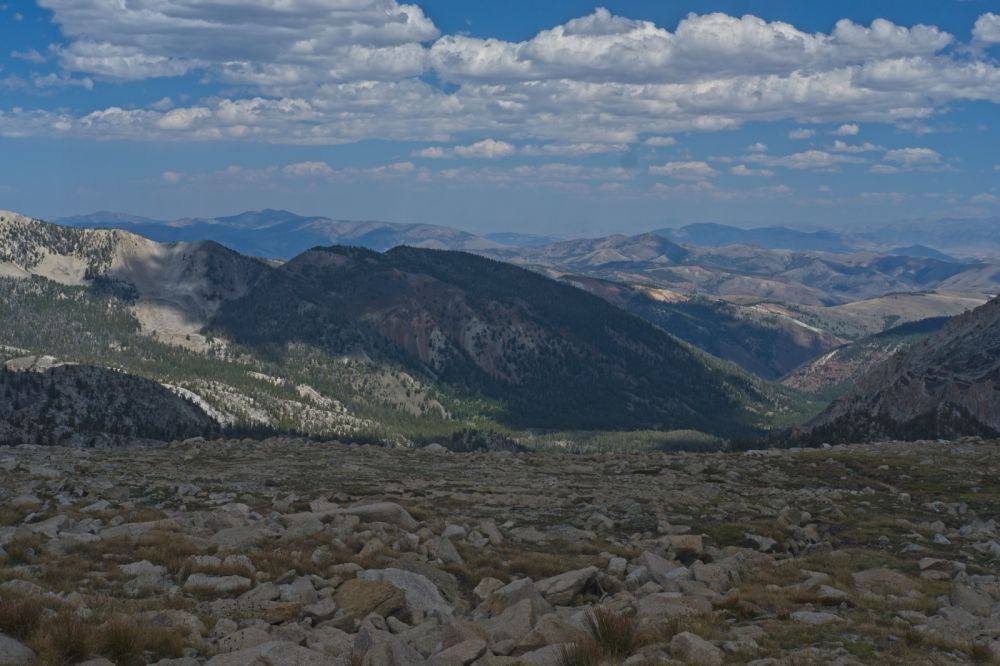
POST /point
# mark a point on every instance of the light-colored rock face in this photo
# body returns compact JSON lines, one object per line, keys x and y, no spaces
{"x":177,"y":287}
{"x":293,"y":552}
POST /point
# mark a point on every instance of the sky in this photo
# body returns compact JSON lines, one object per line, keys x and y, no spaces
{"x":557,"y":117}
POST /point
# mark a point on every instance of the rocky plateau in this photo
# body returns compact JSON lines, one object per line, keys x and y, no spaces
{"x":284,"y":551}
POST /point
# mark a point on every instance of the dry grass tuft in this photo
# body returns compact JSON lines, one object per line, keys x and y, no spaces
{"x":125,"y":642}
{"x":981,"y":653}
{"x":582,"y":653}
{"x":612,"y":638}
{"x":616,"y":633}
{"x":20,"y":617}
{"x":64,"y":639}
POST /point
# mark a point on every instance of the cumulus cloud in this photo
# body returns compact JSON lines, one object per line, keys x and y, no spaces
{"x":987,"y":29}
{"x":171,"y":176}
{"x":757,"y":147}
{"x":434,"y":153}
{"x":252,"y":41}
{"x":489,"y":149}
{"x":849,"y":129}
{"x":29,"y":55}
{"x":866,"y":147}
{"x":486,"y":149}
{"x":605,"y":47}
{"x":337,"y":72}
{"x":816,"y":160}
{"x":394,"y":169}
{"x":799,"y":134}
{"x":912,"y":157}
{"x":660,"y":141}
{"x":126,"y":63}
{"x":744,"y":170}
{"x":182,"y":119}
{"x":684,"y":170}
{"x":574,"y":149}
{"x":308,"y":169}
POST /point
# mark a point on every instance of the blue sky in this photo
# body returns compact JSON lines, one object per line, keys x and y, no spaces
{"x":565,"y":116}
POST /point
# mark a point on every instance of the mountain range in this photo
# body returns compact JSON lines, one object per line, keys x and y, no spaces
{"x":679,"y":329}
{"x":814,"y":268}
{"x":529,"y":350}
{"x":280,"y":234}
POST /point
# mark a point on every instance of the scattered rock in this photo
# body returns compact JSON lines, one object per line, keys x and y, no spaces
{"x":693,"y":649}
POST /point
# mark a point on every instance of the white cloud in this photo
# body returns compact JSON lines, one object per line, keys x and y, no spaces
{"x":684,"y":188}
{"x":799,"y":134}
{"x":308,"y":169}
{"x":660,"y":141}
{"x":488,"y":149}
{"x":394,"y":169}
{"x":127,"y":63}
{"x":684,"y":170}
{"x":985,"y":198}
{"x":574,"y":149}
{"x":251,"y":41}
{"x":325,"y":72}
{"x":182,"y":119}
{"x":162,"y":104}
{"x":757,"y":147}
{"x":894,"y":198}
{"x":866,"y":147}
{"x":171,"y":176}
{"x":53,"y":80}
{"x":818,"y":160}
{"x":744,"y":170}
{"x":883,"y":169}
{"x":29,"y":55}
{"x":433,"y":153}
{"x":605,"y":47}
{"x":849,"y":129}
{"x":987,"y":29}
{"x":913,"y":157}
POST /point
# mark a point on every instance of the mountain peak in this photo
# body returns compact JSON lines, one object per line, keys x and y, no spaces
{"x":261,"y":219}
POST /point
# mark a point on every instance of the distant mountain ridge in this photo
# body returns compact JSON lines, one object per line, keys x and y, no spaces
{"x":774,"y":238}
{"x":282,"y":234}
{"x":535,"y":352}
{"x":942,"y":239}
{"x":750,"y":272}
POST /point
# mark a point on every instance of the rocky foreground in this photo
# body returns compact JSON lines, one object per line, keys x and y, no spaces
{"x":286,"y":552}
